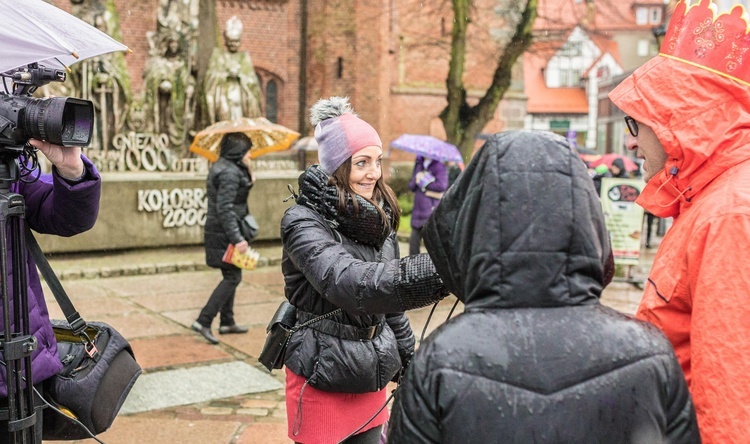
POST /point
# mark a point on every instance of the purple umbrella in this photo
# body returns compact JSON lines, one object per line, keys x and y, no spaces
{"x":428,"y":146}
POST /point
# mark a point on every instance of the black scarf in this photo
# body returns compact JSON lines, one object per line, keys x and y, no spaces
{"x":365,"y":227}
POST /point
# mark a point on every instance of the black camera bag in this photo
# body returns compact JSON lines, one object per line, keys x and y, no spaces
{"x":99,"y":371}
{"x":99,"y":368}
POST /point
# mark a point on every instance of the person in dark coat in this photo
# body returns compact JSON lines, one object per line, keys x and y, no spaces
{"x":618,"y":169}
{"x":63,"y":203}
{"x":341,"y":261}
{"x":520,"y":240}
{"x":454,"y":170}
{"x":227,"y":187}
{"x":597,"y":174}
{"x":428,"y":181}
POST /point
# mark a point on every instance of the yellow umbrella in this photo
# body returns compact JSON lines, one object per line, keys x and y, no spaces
{"x":267,"y":137}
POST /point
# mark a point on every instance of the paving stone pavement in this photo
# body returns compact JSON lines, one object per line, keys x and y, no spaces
{"x":152,"y":297}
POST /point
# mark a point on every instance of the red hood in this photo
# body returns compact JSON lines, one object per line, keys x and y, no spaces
{"x":701,"y":118}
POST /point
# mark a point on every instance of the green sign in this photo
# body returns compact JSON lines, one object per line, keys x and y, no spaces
{"x":559,"y":124}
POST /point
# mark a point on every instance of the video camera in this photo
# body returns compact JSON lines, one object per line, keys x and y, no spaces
{"x":63,"y":121}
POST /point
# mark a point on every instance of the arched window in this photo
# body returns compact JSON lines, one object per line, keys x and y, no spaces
{"x":272,"y":101}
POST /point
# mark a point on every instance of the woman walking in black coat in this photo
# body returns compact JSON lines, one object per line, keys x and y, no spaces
{"x":227,"y":187}
{"x":535,"y":358}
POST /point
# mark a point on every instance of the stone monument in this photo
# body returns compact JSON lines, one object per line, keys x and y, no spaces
{"x":169,"y":90}
{"x":104,"y":79}
{"x":153,"y":189}
{"x":231,"y":88}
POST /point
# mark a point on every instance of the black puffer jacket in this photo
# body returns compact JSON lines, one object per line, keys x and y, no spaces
{"x":325,"y":269}
{"x":534,"y":358}
{"x":227,"y":188}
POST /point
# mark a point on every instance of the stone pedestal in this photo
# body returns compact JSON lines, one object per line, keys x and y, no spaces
{"x":148,"y":210}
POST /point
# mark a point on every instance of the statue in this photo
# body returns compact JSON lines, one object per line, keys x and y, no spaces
{"x":104,"y":79}
{"x":169,"y":88}
{"x":179,"y":16}
{"x":106,"y":82}
{"x":231,"y":88}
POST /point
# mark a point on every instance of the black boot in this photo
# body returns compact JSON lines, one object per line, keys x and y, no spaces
{"x":205,"y":332}
{"x":232,"y":329}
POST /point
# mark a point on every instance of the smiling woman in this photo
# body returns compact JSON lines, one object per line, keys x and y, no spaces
{"x":366,"y":171}
{"x":343,"y":275}
{"x":350,"y":151}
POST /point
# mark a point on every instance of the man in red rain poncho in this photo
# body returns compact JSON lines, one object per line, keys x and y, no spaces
{"x":689,"y":117}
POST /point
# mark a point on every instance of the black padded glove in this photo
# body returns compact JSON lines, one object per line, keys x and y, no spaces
{"x":418,"y":282}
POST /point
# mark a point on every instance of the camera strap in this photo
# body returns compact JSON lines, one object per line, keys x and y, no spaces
{"x":77,"y":323}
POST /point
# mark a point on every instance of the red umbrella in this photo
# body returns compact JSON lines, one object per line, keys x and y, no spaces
{"x":606,"y":159}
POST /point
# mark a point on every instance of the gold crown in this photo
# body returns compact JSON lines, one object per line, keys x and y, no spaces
{"x":720,"y":44}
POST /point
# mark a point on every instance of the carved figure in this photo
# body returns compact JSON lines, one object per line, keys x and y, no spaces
{"x":178,"y":16}
{"x":106,"y":82}
{"x":231,"y":86}
{"x":104,"y":79}
{"x":169,"y":88}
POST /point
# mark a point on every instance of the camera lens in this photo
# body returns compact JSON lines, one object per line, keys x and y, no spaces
{"x":60,"y":120}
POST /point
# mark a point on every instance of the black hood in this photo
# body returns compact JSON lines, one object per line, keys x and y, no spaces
{"x":521,"y":227}
{"x":234,"y":146}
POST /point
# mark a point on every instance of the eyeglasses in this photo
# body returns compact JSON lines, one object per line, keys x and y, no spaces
{"x":632,"y":125}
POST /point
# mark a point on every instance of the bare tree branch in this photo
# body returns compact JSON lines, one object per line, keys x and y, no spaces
{"x":462,"y":122}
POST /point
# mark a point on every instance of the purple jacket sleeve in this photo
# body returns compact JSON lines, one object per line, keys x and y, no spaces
{"x":438,"y":170}
{"x":55,"y":206}
{"x":423,"y":205}
{"x":417,"y":168}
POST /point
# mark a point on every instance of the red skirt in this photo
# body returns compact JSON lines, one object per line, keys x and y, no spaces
{"x":326,"y":417}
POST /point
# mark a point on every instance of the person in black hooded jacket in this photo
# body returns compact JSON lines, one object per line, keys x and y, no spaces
{"x":341,"y":261}
{"x":618,"y":169}
{"x":227,"y":187}
{"x":520,"y":240}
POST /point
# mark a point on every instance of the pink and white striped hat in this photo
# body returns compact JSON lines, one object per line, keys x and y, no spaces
{"x":339,"y":132}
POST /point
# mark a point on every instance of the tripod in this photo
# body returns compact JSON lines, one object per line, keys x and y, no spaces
{"x":17,"y":343}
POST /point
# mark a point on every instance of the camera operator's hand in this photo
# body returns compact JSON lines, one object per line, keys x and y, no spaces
{"x":67,"y":160}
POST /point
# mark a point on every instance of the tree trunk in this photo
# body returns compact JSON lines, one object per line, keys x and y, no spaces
{"x":209,"y":39}
{"x":463,"y":122}
{"x":455,"y":83}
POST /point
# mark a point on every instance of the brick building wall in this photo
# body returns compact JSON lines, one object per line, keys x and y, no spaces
{"x":390,"y":57}
{"x":332,"y":51}
{"x":271,"y":35}
{"x":401,"y":51}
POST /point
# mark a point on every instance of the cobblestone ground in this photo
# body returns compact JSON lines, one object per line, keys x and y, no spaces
{"x":153,"y":297}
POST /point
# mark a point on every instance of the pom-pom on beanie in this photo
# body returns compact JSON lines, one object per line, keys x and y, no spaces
{"x":339,"y":132}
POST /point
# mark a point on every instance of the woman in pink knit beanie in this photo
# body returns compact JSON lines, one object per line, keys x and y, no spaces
{"x":343,"y":275}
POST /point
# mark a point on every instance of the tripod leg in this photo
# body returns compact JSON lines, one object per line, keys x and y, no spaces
{"x":18,"y":344}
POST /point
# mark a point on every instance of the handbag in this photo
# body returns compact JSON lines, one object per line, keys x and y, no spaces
{"x":99,"y":368}
{"x":279,"y":330}
{"x":249,"y":227}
